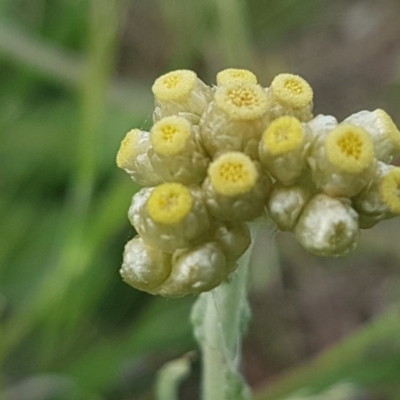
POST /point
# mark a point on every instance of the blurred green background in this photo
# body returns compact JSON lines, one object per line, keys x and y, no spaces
{"x":75,"y":76}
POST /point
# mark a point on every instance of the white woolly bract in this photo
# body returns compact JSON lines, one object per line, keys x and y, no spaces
{"x":370,"y":204}
{"x":195,"y":102}
{"x":144,"y":267}
{"x":189,"y":167}
{"x":327,"y":227}
{"x":326,"y":176}
{"x":243,"y":207}
{"x":170,"y":237}
{"x":287,"y":168}
{"x":134,"y":159}
{"x":384,"y":134}
{"x":285,"y":205}
{"x":220,"y":133}
{"x":195,"y":270}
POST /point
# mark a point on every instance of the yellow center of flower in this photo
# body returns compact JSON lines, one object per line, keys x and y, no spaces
{"x":390,"y":190}
{"x":169,"y":203}
{"x":283,"y":135}
{"x":126,"y":152}
{"x":233,"y":174}
{"x":175,"y":85}
{"x":291,"y":90}
{"x":235,"y":75}
{"x":170,"y":135}
{"x":242,"y":101}
{"x":349,"y":148}
{"x":294,"y":86}
{"x":170,"y":82}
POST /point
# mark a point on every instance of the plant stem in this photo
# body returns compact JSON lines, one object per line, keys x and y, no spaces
{"x":219,"y":318}
{"x":221,"y":351}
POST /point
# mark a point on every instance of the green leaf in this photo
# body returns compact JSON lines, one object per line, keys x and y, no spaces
{"x":170,"y":376}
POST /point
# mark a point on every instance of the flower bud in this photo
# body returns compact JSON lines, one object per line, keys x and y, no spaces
{"x":284,"y":147}
{"x":320,"y":126}
{"x":235,"y":190}
{"x":195,"y":270}
{"x":235,"y":119}
{"x":180,"y":91}
{"x":133,"y":158}
{"x":382,"y":130}
{"x":145,"y":268}
{"x":327,"y":227}
{"x":285,"y":203}
{"x":290,"y":95}
{"x":170,"y":216}
{"x":381,"y":200}
{"x":390,"y":190}
{"x":175,"y":154}
{"x":231,"y":75}
{"x":343,"y":164}
{"x":370,"y":204}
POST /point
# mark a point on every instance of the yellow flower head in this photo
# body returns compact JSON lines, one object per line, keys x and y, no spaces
{"x":390,"y":190}
{"x":231,"y":75}
{"x":127,"y":149}
{"x":169,"y":203}
{"x":291,"y":90}
{"x":349,"y":148}
{"x":242,"y":101}
{"x":170,"y":135}
{"x":283,"y":135}
{"x":233,"y":174}
{"x":175,"y":85}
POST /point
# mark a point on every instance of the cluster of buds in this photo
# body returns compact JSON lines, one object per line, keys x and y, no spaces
{"x":218,"y":157}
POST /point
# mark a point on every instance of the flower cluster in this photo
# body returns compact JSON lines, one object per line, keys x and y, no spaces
{"x":218,"y":157}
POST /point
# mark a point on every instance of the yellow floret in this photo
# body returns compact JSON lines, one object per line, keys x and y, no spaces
{"x":390,"y":190}
{"x":170,"y":135}
{"x":127,"y":151}
{"x":390,"y":127}
{"x":291,"y":90}
{"x":175,"y":85}
{"x":242,"y":101}
{"x":283,"y":135}
{"x":235,"y":75}
{"x":349,"y":148}
{"x":233,"y":174}
{"x":169,"y":203}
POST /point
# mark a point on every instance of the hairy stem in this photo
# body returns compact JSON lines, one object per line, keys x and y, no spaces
{"x":219,"y":318}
